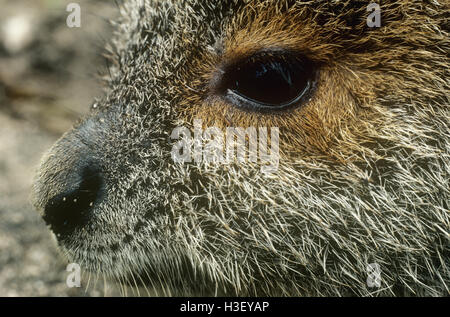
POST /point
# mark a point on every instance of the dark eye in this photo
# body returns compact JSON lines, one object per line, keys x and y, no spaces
{"x":268,"y":81}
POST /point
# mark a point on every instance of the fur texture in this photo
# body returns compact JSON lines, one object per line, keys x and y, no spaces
{"x":364,"y":165}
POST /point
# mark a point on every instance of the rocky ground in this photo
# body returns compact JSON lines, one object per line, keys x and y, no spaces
{"x":48,"y":79}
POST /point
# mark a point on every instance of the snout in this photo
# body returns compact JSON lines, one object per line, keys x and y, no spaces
{"x":70,"y":184}
{"x":71,"y":209}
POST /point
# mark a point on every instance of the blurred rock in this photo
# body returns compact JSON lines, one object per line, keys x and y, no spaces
{"x":17,"y":33}
{"x":47,"y":81}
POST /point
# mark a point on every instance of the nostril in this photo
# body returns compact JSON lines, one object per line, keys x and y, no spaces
{"x":71,"y":210}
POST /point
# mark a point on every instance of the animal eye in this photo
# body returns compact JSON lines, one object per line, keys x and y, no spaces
{"x":268,"y":82}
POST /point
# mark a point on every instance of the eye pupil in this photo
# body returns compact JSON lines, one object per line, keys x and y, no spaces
{"x":271,"y":83}
{"x":268,"y":81}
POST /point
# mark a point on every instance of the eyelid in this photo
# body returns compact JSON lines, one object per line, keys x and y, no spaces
{"x":249,"y":104}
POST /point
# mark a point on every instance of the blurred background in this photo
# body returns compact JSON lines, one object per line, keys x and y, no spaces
{"x":49,"y":76}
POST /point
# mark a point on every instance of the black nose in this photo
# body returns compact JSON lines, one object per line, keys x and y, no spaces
{"x":72,"y":209}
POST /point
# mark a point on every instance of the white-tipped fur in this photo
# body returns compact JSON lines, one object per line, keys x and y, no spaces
{"x":377,"y":191}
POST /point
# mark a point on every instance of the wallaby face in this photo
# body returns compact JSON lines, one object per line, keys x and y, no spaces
{"x":363,"y":157}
